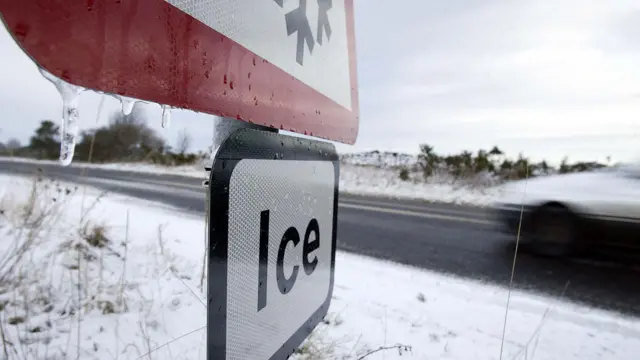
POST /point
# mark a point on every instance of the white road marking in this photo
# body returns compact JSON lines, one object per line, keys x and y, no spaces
{"x":419,"y":208}
{"x":425,"y":215}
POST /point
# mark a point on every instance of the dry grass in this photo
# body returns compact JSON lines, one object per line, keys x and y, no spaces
{"x":50,"y":281}
{"x":34,"y":292}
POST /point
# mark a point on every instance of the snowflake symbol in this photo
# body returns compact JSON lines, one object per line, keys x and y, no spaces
{"x":323,"y":19}
{"x":298,"y":22}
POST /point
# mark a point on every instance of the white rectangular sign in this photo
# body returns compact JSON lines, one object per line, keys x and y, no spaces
{"x":280,"y":215}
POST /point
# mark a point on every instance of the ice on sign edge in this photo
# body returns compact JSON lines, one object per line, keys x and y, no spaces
{"x":70,"y":95}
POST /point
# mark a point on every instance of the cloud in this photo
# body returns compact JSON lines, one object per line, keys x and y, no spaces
{"x":462,"y":74}
{"x":543,"y":77}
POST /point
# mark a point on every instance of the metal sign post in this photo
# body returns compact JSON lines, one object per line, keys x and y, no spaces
{"x":273,"y":222}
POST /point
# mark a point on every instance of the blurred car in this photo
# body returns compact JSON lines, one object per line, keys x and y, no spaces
{"x":568,"y":213}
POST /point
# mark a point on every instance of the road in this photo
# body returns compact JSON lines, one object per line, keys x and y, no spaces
{"x":458,"y":240}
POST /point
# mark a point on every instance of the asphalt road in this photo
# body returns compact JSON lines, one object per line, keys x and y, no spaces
{"x":459,"y":240}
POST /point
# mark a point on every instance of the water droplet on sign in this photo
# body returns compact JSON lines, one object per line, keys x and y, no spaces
{"x":224,"y":79}
{"x":166,"y":116}
{"x":69,"y":132}
{"x":231,"y":85}
{"x":127,"y":104}
{"x":21,"y":30}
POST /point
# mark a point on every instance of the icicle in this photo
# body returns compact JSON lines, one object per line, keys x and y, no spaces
{"x":127,"y":104}
{"x":166,"y":116}
{"x":69,"y":131}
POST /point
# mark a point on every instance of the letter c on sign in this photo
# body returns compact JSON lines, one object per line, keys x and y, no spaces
{"x":285,"y":284}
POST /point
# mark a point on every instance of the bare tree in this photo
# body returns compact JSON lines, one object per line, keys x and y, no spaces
{"x":13,"y":144}
{"x":184,"y":141}
{"x":125,"y":138}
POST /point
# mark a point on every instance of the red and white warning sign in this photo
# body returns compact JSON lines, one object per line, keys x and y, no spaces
{"x":289,"y":64}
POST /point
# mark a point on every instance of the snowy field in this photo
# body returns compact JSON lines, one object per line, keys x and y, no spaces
{"x":375,"y":181}
{"x":359,"y":180}
{"x":89,"y":275}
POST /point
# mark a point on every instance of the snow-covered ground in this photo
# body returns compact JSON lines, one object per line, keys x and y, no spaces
{"x":354,"y":179}
{"x":373,"y":181}
{"x":195,"y":170}
{"x":379,"y":159}
{"x":111,"y":277}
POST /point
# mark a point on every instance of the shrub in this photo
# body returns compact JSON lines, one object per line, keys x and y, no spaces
{"x":404,"y":174}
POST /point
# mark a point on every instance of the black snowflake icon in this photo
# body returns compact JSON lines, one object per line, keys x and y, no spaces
{"x":298,"y":22}
{"x":323,"y":19}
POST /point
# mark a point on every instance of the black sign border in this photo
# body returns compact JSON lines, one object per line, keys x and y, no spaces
{"x":255,"y":144}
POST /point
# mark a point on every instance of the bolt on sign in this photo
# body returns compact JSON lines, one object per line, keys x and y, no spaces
{"x":287,"y":64}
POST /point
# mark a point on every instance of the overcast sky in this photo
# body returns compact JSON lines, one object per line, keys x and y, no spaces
{"x":546,"y":78}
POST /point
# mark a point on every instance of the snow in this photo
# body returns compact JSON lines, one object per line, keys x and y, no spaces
{"x":374,"y":181}
{"x":194,"y":170}
{"x":447,"y":318}
{"x":142,"y":289}
{"x":380,"y":159}
{"x":354,"y":179}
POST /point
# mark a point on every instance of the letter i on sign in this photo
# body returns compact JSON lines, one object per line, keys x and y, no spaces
{"x":285,"y":284}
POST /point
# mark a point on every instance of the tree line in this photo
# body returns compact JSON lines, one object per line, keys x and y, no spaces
{"x":492,"y":161}
{"x":126,"y":138}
